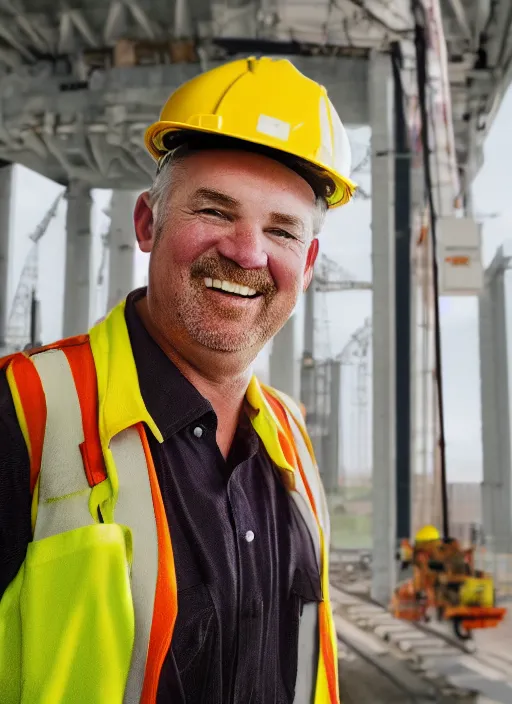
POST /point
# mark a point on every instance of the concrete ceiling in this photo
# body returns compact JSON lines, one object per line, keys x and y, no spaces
{"x":68,"y":111}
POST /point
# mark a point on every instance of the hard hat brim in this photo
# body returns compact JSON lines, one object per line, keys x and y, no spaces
{"x":155,"y":133}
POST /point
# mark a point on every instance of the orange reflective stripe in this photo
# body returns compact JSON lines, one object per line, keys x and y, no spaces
{"x":5,"y":361}
{"x":326,"y":644}
{"x":331,"y":668}
{"x":61,"y":344}
{"x":165,"y":609}
{"x":287,"y":445}
{"x":81,"y":362}
{"x":30,"y":403}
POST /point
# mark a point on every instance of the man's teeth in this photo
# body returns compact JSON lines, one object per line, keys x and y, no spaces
{"x":230,"y":287}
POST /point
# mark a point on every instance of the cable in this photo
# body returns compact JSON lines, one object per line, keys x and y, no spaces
{"x":420,"y":42}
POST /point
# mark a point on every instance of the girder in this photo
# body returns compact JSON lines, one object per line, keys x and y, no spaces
{"x":96,"y":133}
{"x":48,"y":49}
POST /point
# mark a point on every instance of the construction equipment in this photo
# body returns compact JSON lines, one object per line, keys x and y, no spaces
{"x":444,"y":579}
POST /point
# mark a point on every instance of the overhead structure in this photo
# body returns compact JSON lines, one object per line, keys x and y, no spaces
{"x":80,"y":83}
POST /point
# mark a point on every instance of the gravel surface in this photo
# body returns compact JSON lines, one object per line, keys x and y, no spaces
{"x":362,"y":684}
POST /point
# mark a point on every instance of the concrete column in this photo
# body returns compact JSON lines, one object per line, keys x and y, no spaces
{"x":495,"y":399}
{"x":307,"y":378}
{"x":331,"y":444}
{"x":384,"y":358}
{"x":6,"y":171}
{"x":121,"y":246}
{"x":78,"y":254}
{"x":283,"y":363}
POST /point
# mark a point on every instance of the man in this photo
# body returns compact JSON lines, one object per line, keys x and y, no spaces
{"x":163,"y":528}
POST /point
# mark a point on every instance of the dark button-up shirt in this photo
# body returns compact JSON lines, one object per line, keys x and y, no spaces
{"x":244,"y":559}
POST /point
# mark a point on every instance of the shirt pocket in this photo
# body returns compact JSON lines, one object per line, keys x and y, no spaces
{"x":195,"y":627}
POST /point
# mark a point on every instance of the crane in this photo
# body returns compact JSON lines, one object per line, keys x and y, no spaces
{"x":22,"y":327}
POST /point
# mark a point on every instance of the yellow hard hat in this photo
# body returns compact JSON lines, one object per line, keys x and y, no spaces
{"x":266,"y":102}
{"x":427,"y":534}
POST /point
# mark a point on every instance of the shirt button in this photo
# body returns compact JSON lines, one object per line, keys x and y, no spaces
{"x":198,"y":432}
{"x":249,"y":536}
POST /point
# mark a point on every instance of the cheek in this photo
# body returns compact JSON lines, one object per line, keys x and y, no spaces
{"x":182,"y":244}
{"x":287,"y":271}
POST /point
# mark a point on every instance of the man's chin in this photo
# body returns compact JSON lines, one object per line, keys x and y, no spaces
{"x":229,"y":342}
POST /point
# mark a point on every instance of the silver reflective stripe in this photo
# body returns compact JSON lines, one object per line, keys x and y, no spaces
{"x":62,"y":477}
{"x":134,"y":508}
{"x":301,"y":500}
{"x":309,"y":636}
{"x":62,"y":470}
{"x":307,"y":661}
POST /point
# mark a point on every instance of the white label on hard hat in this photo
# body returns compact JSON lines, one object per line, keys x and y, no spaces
{"x":273,"y":127}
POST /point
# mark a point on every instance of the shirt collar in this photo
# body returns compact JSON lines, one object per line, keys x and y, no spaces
{"x":120,"y":397}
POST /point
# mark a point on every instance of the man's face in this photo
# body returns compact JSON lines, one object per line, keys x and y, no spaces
{"x":231,"y":249}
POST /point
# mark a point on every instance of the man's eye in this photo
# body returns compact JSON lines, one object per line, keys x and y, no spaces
{"x":284,"y":233}
{"x":212,"y":211}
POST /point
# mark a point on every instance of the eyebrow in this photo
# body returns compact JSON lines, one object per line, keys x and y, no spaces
{"x":214,"y":196}
{"x":287,"y":220}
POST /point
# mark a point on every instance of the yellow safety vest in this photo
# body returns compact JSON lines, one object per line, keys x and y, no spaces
{"x":89,"y":617}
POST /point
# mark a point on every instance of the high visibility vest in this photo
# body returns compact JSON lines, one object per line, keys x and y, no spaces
{"x":89,"y":617}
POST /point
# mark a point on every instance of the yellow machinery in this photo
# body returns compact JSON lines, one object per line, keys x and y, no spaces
{"x":444,"y":578}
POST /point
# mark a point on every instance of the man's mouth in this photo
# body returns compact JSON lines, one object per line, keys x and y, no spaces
{"x":230,"y":287}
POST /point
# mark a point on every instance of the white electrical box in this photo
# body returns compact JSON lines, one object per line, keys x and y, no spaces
{"x":460,"y":257}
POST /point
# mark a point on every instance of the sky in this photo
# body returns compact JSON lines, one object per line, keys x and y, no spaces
{"x":346,"y":239}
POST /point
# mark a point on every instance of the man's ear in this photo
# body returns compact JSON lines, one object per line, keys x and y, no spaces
{"x":144,"y":223}
{"x":310,"y":263}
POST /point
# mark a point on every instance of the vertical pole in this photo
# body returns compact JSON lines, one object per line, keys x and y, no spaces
{"x":308,"y":371}
{"x":331,"y":454}
{"x":121,"y":247}
{"x":6,"y":171}
{"x":383,"y":295}
{"x":78,"y":253}
{"x":283,"y":364}
{"x":495,"y":399}
{"x":402,"y":305}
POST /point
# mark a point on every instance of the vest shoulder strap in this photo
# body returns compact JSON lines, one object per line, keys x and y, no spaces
{"x":31,"y":402}
{"x":72,"y":465}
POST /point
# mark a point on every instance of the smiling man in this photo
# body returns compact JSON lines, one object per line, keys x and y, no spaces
{"x":163,"y":529}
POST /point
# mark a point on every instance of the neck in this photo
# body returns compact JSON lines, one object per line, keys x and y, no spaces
{"x":219,"y":377}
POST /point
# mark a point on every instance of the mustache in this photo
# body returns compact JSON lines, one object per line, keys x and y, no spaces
{"x":225,"y":269}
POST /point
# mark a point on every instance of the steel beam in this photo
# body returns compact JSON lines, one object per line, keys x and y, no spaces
{"x":78,"y":253}
{"x":384,"y":357}
{"x":6,"y":172}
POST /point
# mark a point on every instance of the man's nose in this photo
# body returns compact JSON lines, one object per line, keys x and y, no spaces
{"x":245,"y":246}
